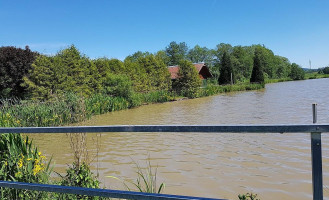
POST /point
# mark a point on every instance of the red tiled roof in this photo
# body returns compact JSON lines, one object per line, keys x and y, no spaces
{"x":173,"y":70}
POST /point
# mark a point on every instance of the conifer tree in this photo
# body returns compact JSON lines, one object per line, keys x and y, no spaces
{"x":257,"y":75}
{"x":226,"y":70}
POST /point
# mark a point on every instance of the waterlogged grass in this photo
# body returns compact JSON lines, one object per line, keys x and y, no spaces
{"x":146,"y":180}
{"x":67,"y":109}
{"x":71,"y":108}
{"x":157,"y":97}
{"x":278,"y":80}
{"x":315,"y":75}
{"x":217,"y":89}
{"x":100,"y":103}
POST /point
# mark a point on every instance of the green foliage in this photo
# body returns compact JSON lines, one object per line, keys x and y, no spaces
{"x":226,"y":70}
{"x":242,"y":62}
{"x":147,"y":72}
{"x":188,"y":81}
{"x":78,"y":176}
{"x":248,"y":196}
{"x":217,"y":89}
{"x":101,"y":103}
{"x":157,"y":97}
{"x":324,"y":70}
{"x":20,"y":161}
{"x":161,"y":55}
{"x":14,"y":65}
{"x":117,"y":85}
{"x":200,"y":54}
{"x":65,"y":109}
{"x":146,"y":180}
{"x":176,"y":52}
{"x":67,"y":71}
{"x":156,"y":71}
{"x":257,"y":75}
{"x":296,"y":73}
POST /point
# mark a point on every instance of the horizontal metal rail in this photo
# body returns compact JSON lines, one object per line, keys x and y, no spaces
{"x":175,"y":128}
{"x":315,"y":129}
{"x":98,"y":192}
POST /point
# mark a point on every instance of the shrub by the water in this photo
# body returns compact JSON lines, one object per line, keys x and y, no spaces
{"x":21,"y":161}
{"x":78,"y":175}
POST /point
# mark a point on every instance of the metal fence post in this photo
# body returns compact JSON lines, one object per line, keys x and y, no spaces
{"x":316,"y":160}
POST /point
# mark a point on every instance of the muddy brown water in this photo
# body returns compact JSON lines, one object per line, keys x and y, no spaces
{"x":275,"y":166}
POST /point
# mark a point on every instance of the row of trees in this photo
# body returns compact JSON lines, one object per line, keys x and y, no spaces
{"x":24,"y":73}
{"x":264,"y":65}
{"x":241,"y":60}
{"x":70,"y":71}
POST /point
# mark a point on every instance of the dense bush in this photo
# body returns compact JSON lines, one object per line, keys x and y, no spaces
{"x":20,"y":161}
{"x":67,"y":71}
{"x":14,"y":64}
{"x":188,"y":82}
{"x":296,"y":73}
{"x":78,"y":175}
{"x":324,"y":70}
{"x":117,"y":85}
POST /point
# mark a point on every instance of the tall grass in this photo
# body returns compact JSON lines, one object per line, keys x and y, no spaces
{"x":67,"y":109}
{"x":217,"y":89}
{"x":146,"y":180}
{"x":157,"y":97}
{"x":20,"y":161}
{"x":100,"y":103}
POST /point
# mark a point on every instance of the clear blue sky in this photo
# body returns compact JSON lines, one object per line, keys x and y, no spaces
{"x":296,"y":29}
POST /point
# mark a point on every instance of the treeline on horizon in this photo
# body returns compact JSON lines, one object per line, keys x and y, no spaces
{"x":30,"y":75}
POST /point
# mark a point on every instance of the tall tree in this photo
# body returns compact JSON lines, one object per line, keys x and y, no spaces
{"x":67,"y":71}
{"x":161,"y":55}
{"x":221,"y":49}
{"x":199,"y":54}
{"x":188,"y":81}
{"x":14,"y":65}
{"x":176,"y":52}
{"x":226,"y":75}
{"x":242,"y":63}
{"x":296,"y":73}
{"x":257,"y":75}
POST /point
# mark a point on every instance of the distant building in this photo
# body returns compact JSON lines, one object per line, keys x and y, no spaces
{"x":202,"y":69}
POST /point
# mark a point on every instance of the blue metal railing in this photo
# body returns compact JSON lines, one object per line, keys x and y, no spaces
{"x":315,"y":130}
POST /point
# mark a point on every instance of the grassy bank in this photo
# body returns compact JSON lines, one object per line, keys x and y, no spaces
{"x":72,"y":108}
{"x":313,"y":75}
{"x":217,"y":89}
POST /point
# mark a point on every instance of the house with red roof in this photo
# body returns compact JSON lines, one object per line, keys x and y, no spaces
{"x":202,"y":69}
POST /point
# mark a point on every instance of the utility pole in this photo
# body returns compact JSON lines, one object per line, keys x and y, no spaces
{"x":310,"y":64}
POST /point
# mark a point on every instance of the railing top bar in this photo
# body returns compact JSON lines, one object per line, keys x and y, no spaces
{"x":175,"y":128}
{"x":98,"y":192}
